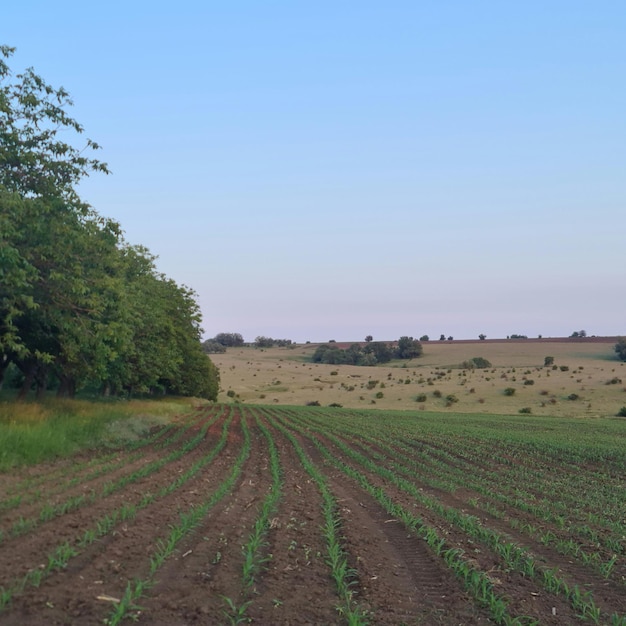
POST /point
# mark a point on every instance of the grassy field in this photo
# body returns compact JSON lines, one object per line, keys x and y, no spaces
{"x":586,"y":371}
{"x":33,"y":432}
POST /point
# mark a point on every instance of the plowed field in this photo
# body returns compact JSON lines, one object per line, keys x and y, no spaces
{"x":306,"y":515}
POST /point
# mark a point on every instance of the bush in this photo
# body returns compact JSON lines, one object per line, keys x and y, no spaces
{"x":335,"y":405}
{"x":622,"y":412}
{"x":230,"y":393}
{"x":509,"y":391}
{"x":421,"y":397}
{"x":477,"y":362}
{"x":525,"y":410}
{"x":437,"y":393}
{"x":313,"y":403}
{"x":564,"y":368}
{"x":573,"y":396}
{"x":379,"y":395}
{"x":549,"y":360}
{"x":620,"y":348}
{"x":451,"y":398}
{"x":529,"y":381}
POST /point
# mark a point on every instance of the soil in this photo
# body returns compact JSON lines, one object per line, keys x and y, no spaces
{"x":396,"y":579}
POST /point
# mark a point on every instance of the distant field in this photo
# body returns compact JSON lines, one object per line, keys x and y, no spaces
{"x":285,"y":376}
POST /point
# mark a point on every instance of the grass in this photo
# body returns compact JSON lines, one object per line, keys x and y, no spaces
{"x":253,"y":374}
{"x":34,"y":432}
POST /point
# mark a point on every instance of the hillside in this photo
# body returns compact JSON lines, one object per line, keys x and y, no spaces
{"x":585,"y":369}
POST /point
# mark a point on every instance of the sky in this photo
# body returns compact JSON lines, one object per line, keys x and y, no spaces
{"x":337,"y":169}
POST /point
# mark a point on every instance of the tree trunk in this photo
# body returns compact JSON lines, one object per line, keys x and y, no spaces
{"x":42,"y":382}
{"x":29,"y":377}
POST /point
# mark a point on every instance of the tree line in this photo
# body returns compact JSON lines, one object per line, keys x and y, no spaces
{"x":78,"y":305}
{"x":371,"y":353}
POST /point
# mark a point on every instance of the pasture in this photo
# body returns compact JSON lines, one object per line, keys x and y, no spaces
{"x":586,"y":379}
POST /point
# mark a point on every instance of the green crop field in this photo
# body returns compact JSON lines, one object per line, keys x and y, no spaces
{"x":240,"y":513}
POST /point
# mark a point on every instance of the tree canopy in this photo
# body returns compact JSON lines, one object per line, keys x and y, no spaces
{"x":78,"y":305}
{"x":371,"y":353}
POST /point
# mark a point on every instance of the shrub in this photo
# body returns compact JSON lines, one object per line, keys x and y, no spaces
{"x":622,"y":412}
{"x":564,"y":368}
{"x":335,"y":405}
{"x":573,"y":396}
{"x":230,"y":393}
{"x":529,"y":381}
{"x":477,"y":362}
{"x":421,"y":397}
{"x":334,"y":373}
{"x":451,"y":398}
{"x":614,"y":381}
{"x":525,"y":409}
{"x":437,"y":393}
{"x":313,"y":403}
{"x":371,"y":384}
{"x":379,"y":395}
{"x":509,"y":391}
{"x":549,"y":360}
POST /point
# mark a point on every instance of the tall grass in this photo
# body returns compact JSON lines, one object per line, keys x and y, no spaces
{"x":32,"y":432}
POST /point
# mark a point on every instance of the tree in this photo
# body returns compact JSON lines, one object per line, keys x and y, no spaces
{"x":620,"y":348}
{"x":381,"y":351}
{"x":369,"y":338}
{"x":482,"y":336}
{"x":408,"y":348}
{"x":424,"y":338}
{"x":230,"y":340}
{"x":442,"y":338}
{"x":34,"y":160}
{"x":78,"y":306}
{"x":578,"y":334}
{"x":211,"y":346}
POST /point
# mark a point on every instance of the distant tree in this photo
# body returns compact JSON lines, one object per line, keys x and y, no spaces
{"x":263,"y":342}
{"x":424,"y":338}
{"x":210,"y":346}
{"x":620,"y":348}
{"x":482,"y":336}
{"x":442,"y":338}
{"x":578,"y":334}
{"x":230,"y":340}
{"x":381,"y":350}
{"x":329,"y":354}
{"x":514,"y":336}
{"x":369,"y":338}
{"x":408,"y":348}
{"x":283,"y":343}
{"x":450,"y":338}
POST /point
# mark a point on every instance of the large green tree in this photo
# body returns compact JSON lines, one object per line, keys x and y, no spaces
{"x":77,"y":305}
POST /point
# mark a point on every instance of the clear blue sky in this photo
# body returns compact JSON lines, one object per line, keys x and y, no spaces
{"x":327,"y":170}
